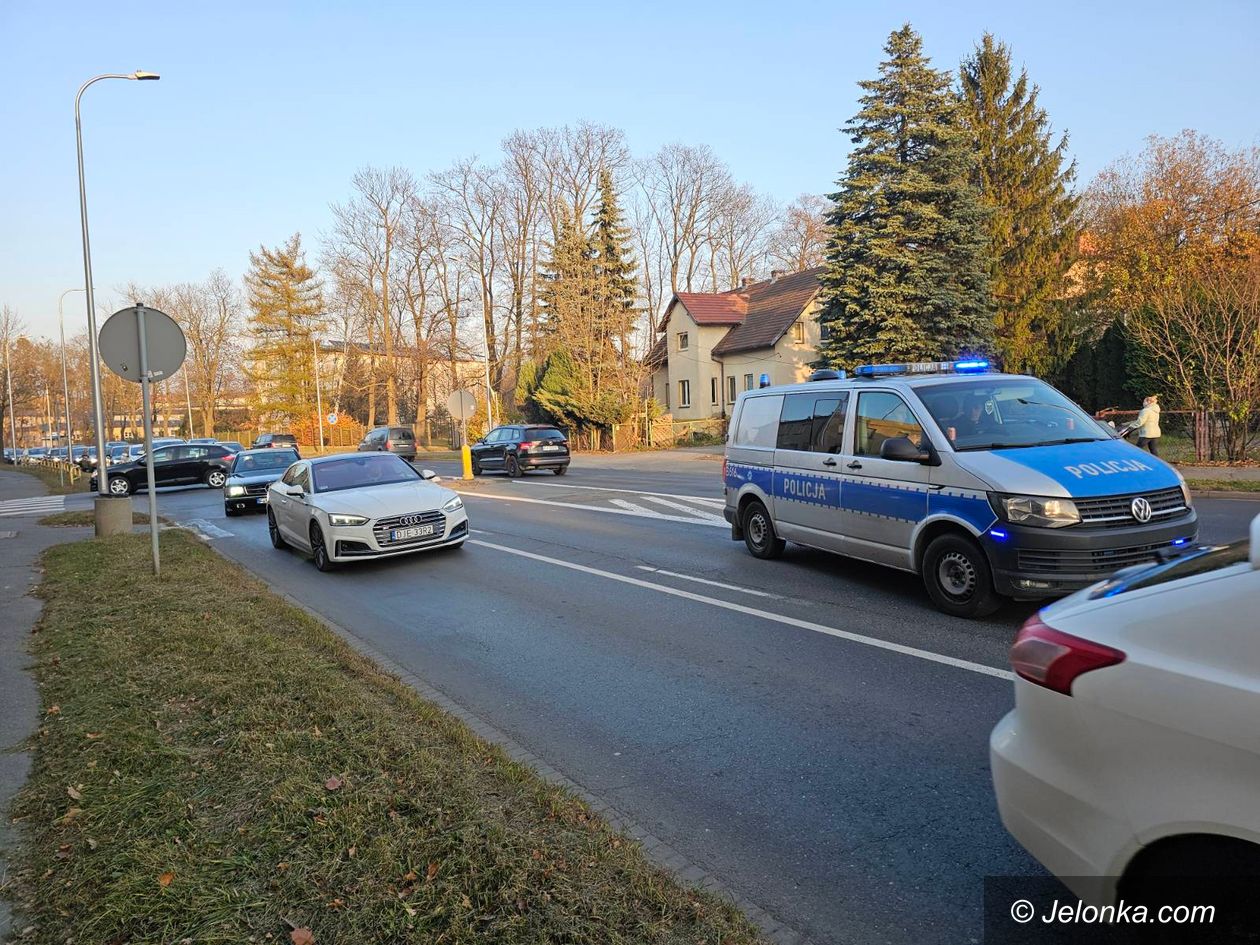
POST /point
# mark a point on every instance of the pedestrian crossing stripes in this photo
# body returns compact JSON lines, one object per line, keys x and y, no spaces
{"x":35,"y":505}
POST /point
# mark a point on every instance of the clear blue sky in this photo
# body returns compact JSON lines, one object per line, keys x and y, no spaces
{"x":265,"y":110}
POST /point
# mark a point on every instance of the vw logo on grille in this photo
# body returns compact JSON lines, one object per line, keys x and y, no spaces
{"x":415,"y":519}
{"x":1141,"y":509}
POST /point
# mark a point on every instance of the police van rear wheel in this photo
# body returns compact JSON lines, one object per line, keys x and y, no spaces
{"x":957,"y":577}
{"x":759,"y":533}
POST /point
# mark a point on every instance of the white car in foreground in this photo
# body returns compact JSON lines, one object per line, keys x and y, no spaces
{"x":1133,"y":750}
{"x":362,"y":505}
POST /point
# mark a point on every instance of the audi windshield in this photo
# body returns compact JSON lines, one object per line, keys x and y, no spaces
{"x":357,"y":472}
{"x":1007,"y":413}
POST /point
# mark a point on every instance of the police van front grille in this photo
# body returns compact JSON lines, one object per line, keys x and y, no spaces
{"x":1099,"y":562}
{"x":1116,"y":511}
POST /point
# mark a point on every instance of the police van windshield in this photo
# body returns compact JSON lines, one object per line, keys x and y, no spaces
{"x":1007,"y":413}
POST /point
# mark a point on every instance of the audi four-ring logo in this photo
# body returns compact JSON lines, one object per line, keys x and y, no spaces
{"x":415,"y":519}
{"x":1141,"y":509}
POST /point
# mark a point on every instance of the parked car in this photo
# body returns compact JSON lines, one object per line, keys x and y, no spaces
{"x":58,"y":454}
{"x":1132,"y":752}
{"x":397,"y":440}
{"x":174,"y":465}
{"x":249,"y":476}
{"x":36,"y":454}
{"x":348,"y":507}
{"x":203,"y":440}
{"x":270,"y":440}
{"x":134,"y":451}
{"x":232,"y":445}
{"x":519,"y":447}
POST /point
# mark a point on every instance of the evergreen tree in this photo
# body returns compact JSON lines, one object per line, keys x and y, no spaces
{"x":1025,"y":181}
{"x":286,"y":302}
{"x":907,"y":277}
{"x":615,"y":289}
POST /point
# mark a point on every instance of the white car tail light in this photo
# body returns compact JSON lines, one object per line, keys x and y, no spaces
{"x":1054,"y":659}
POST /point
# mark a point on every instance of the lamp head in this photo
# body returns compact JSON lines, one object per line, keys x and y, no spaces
{"x":142,"y":75}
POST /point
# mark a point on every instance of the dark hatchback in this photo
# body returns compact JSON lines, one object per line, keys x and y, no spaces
{"x":266,"y":441}
{"x":519,"y":447}
{"x":251,"y":473}
{"x":180,"y":464}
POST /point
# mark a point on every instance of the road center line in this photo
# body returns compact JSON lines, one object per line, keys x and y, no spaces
{"x":756,"y":612}
{"x":700,"y":580}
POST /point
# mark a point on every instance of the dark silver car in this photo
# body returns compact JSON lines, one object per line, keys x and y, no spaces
{"x":397,"y":440}
{"x":252,"y":471}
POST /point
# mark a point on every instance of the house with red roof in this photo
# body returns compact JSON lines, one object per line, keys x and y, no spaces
{"x":713,"y":345}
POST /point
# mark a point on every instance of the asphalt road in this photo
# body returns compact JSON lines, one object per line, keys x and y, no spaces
{"x":810,"y":730}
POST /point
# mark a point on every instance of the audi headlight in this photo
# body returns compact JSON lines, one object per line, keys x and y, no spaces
{"x":1037,"y":510}
{"x":454,"y":505}
{"x":235,"y":490}
{"x":347,"y":519}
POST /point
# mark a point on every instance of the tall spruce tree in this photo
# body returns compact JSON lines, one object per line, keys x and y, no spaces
{"x":286,"y":302}
{"x":615,"y":289}
{"x":907,"y":277}
{"x":1025,"y":180}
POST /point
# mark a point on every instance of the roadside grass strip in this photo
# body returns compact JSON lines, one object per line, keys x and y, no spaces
{"x":1224,"y":485}
{"x":57,"y":481}
{"x":87,"y":517}
{"x":214,"y":766}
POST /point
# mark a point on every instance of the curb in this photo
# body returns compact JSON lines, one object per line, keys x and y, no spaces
{"x":1226,"y":494}
{"x":657,"y":850}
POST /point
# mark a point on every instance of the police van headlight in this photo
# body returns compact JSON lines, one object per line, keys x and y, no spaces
{"x":1037,"y":510}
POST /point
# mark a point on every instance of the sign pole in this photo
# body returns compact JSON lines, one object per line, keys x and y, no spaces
{"x":319,"y":398}
{"x":145,"y":382}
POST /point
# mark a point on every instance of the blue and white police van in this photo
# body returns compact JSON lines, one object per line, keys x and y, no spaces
{"x":987,"y":485}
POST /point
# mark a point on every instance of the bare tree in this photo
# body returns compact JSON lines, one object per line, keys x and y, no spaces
{"x":364,"y":249}
{"x":800,"y":240}
{"x":741,"y":223}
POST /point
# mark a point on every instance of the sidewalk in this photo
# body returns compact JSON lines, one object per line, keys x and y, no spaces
{"x":1229,"y":473}
{"x":22,"y":541}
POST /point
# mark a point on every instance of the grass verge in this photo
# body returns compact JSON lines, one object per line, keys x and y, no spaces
{"x":215,"y":766}
{"x":1224,"y":485}
{"x":82,"y":517}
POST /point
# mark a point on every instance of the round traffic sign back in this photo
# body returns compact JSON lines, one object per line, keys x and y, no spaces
{"x":462,"y":404}
{"x":164,"y":343}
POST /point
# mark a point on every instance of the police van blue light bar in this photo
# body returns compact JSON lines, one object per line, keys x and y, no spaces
{"x":972,"y":366}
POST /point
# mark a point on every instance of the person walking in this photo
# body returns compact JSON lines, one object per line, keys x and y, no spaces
{"x":1147,"y":424}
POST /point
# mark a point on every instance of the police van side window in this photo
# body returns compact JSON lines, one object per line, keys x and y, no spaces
{"x":759,"y":422}
{"x":812,"y":423}
{"x":882,"y":415}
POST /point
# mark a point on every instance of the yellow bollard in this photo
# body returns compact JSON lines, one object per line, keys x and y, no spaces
{"x":465,"y":454}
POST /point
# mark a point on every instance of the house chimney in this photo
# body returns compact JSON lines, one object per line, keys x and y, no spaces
{"x":774,"y":274}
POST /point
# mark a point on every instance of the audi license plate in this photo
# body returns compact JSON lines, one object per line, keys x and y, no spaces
{"x":550,"y":449}
{"x":406,"y":534}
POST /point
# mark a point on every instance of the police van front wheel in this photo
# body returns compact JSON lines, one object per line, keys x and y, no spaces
{"x":957,"y":577}
{"x":759,"y":533}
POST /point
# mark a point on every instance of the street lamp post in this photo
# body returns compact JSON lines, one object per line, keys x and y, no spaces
{"x":98,"y":404}
{"x":319,"y":397}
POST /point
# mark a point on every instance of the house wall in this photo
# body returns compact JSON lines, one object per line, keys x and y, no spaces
{"x":787,"y":363}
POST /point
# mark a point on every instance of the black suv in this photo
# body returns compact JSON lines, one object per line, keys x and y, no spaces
{"x":266,"y":441}
{"x":397,"y":440}
{"x":521,"y":446}
{"x":180,"y":464}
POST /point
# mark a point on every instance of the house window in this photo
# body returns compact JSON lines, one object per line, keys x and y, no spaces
{"x":713,"y":390}
{"x":824,"y":331}
{"x":730,"y":389}
{"x":748,"y":382}
{"x":682,"y":341}
{"x":684,"y":393}
{"x":798,"y":333}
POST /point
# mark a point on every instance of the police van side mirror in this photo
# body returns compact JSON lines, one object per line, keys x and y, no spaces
{"x":900,"y":449}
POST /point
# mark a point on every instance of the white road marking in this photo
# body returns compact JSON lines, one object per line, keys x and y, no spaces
{"x":700,"y":580}
{"x":707,"y":500}
{"x":704,"y":516}
{"x":33,"y":505}
{"x":756,"y":612}
{"x":660,"y":516}
{"x":636,"y":509}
